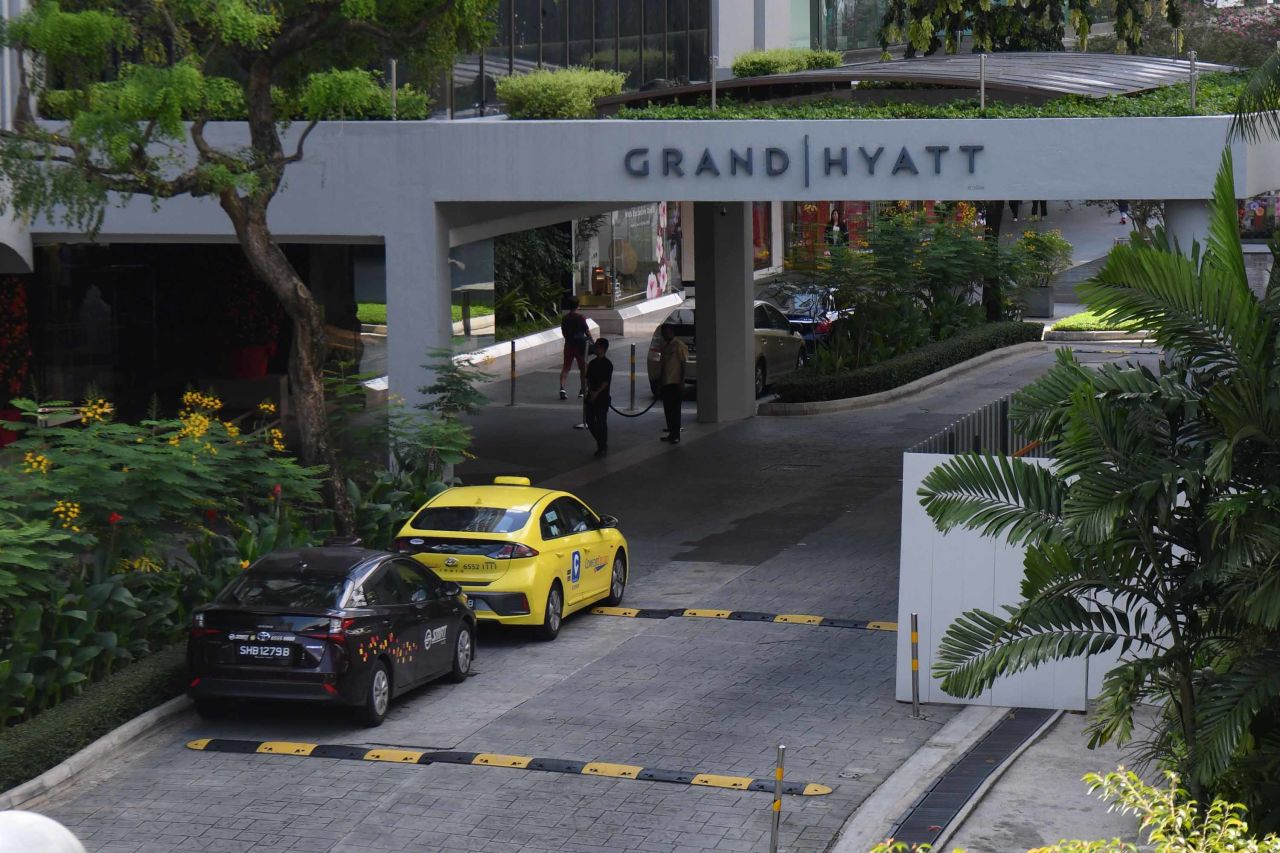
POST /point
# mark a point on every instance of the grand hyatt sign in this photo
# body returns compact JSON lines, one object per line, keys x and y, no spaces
{"x":771,"y":161}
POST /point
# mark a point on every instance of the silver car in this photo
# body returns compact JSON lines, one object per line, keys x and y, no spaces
{"x":779,"y":348}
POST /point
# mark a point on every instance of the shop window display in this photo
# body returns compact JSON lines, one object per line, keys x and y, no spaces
{"x":630,"y":255}
{"x":762,"y":234}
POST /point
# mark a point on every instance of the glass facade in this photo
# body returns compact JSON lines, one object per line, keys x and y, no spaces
{"x":846,"y":24}
{"x":629,"y":255}
{"x":651,"y":41}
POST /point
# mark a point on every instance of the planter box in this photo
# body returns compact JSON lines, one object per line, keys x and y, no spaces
{"x":1039,"y":302}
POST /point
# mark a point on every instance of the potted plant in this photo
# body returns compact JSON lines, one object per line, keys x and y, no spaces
{"x":1041,"y":255}
{"x":15,"y":351}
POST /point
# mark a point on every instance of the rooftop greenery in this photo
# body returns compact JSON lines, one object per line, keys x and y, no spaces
{"x":1216,"y":95}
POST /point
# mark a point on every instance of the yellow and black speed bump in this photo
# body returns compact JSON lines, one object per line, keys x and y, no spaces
{"x":745,"y":616}
{"x":519,"y":762}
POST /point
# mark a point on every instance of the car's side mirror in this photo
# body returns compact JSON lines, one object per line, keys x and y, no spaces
{"x":450,"y":590}
{"x":607,"y":521}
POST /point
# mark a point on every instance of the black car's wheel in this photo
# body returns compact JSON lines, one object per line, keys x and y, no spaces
{"x":554,"y":613}
{"x":463,"y":652}
{"x":212,"y":709}
{"x":760,"y":378}
{"x":377,"y":697}
{"x":617,"y":581}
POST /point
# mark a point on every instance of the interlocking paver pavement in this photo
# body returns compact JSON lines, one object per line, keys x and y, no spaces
{"x":777,"y":515}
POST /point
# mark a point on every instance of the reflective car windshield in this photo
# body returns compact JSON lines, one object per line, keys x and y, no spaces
{"x":470,"y":519}
{"x":305,"y":592}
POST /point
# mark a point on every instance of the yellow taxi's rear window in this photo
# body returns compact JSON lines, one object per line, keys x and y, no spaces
{"x":470,"y":519}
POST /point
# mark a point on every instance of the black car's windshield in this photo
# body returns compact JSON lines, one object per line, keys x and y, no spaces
{"x":305,"y":592}
{"x":797,"y":301}
{"x":470,"y":519}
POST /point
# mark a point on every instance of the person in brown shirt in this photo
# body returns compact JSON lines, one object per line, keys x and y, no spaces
{"x":671,"y":380}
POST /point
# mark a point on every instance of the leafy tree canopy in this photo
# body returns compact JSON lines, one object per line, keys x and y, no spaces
{"x":928,"y":26}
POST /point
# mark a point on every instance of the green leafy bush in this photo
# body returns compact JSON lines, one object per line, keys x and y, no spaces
{"x":1216,"y":95}
{"x":95,"y":520}
{"x":1086,"y":321}
{"x":806,"y":387}
{"x":1172,"y":822}
{"x":29,"y":749}
{"x":560,"y":94}
{"x":783,"y":60}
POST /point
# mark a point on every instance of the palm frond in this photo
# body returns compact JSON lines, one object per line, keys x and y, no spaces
{"x":980,"y":647}
{"x":1256,"y":111}
{"x":1229,"y":704}
{"x":1223,"y":252}
{"x":1201,"y":314}
{"x":999,"y":495}
{"x":1038,"y":409}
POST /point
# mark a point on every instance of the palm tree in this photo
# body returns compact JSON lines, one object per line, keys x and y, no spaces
{"x":1256,"y":110}
{"x":1156,"y":531}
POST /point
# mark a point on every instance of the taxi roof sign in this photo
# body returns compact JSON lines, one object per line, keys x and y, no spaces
{"x":511,"y":481}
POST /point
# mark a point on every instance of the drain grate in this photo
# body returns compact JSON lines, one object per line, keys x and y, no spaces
{"x":937,"y":807}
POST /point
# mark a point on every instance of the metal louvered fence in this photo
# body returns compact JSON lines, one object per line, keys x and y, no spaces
{"x":987,"y":430}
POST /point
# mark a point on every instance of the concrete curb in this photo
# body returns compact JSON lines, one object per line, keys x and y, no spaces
{"x":870,"y":824}
{"x":103,"y":748}
{"x":988,"y":783}
{"x":1114,"y":337}
{"x":851,"y":403}
{"x":538,"y":346}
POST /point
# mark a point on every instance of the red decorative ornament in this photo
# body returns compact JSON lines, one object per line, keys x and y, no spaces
{"x":114,"y":519}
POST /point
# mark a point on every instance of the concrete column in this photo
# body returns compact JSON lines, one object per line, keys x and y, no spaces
{"x":418,"y":298}
{"x":1186,"y":221}
{"x":726,"y":345}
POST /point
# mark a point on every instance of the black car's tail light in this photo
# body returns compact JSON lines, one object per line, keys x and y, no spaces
{"x":511,"y":551}
{"x":337,"y":632}
{"x":197,"y":633}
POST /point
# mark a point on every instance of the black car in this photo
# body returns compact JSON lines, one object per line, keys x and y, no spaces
{"x":341,"y":625}
{"x":809,"y":306}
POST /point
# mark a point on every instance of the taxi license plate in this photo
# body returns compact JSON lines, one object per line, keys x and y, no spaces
{"x":264,"y":652}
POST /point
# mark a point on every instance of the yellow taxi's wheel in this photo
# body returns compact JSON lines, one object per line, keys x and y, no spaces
{"x":617,"y":581}
{"x":554,"y":613}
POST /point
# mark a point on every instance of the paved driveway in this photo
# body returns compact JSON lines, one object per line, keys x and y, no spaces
{"x":778,"y":515}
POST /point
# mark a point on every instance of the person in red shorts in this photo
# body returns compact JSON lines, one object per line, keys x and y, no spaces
{"x":577,"y":339}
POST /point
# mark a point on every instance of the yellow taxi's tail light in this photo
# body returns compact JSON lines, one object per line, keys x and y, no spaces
{"x":512,"y":551}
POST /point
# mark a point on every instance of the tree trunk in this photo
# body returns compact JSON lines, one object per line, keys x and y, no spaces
{"x":306,"y":360}
{"x":992,"y":290}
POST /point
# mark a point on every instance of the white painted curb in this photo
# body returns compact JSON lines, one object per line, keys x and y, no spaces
{"x":1110,"y":337}
{"x":870,"y":824}
{"x":869,"y":400}
{"x":101,"y":749}
{"x":537,"y":346}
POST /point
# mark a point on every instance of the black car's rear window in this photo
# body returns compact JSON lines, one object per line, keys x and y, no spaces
{"x":305,"y":592}
{"x":470,"y":519}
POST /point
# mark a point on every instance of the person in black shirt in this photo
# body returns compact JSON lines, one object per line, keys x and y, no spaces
{"x":599,"y":375}
{"x":577,"y":339}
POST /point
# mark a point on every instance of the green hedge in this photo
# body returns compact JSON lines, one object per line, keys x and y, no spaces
{"x":563,"y":93}
{"x":783,"y":60}
{"x":1086,"y":321}
{"x":1216,"y":95}
{"x":806,"y":387}
{"x":28,"y":749}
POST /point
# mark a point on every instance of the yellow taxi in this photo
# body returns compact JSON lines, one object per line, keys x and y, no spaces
{"x":523,"y":556}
